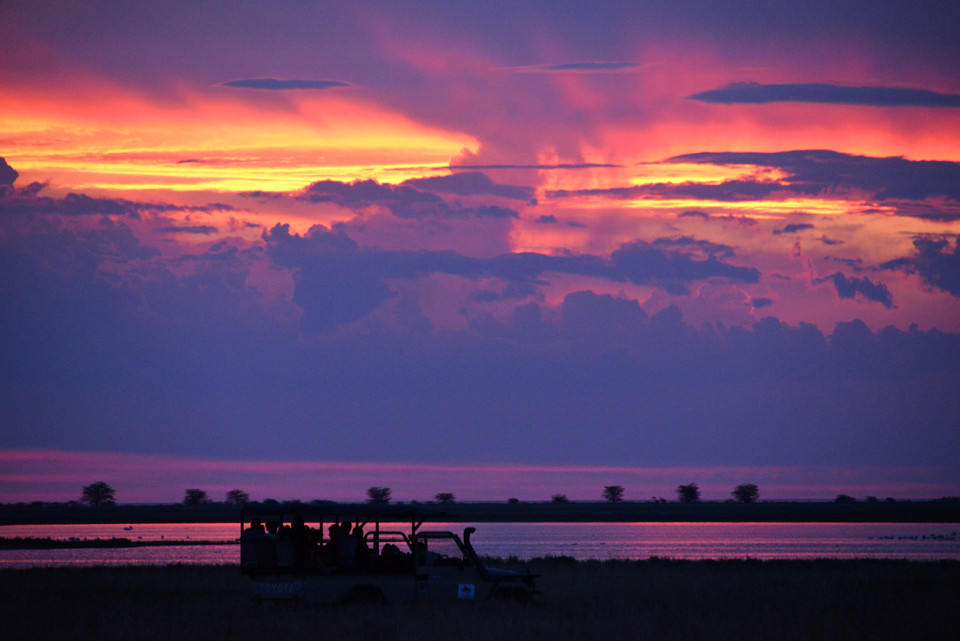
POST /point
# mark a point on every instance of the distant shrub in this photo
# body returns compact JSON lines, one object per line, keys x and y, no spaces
{"x":98,"y":494}
{"x":689,"y":493}
{"x":746,"y":493}
{"x":378,"y":495}
{"x":613,"y":493}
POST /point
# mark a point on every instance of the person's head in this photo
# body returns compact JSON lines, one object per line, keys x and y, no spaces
{"x":345,"y":527}
{"x":273,"y":526}
{"x":255,"y":524}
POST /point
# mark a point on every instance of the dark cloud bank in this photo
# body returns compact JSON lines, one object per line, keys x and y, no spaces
{"x":276,"y":84}
{"x":918,"y":188}
{"x":329,"y":263}
{"x":849,"y":287}
{"x":816,"y":170}
{"x":754,"y":93}
{"x":934,"y":261}
{"x":470,"y":183}
{"x":418,"y":198}
{"x":107,"y":345}
{"x":579,"y":67}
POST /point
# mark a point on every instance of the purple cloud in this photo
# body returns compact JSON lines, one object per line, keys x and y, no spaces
{"x":935,"y":263}
{"x":8,"y":175}
{"x":792,"y":228}
{"x":337,"y":282}
{"x":815,"y":171}
{"x":728,"y":191}
{"x":850,"y":287}
{"x":754,"y":93}
{"x":189,"y":229}
{"x":97,"y":319}
{"x":471,"y":183}
{"x":276,"y":84}
{"x":579,"y":67}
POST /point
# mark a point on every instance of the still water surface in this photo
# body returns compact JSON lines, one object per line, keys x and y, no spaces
{"x":915,"y":541}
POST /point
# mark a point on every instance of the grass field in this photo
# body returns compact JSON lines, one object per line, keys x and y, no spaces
{"x":611,"y":600}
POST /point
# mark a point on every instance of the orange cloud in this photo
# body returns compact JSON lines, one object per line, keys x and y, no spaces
{"x":213,"y":140}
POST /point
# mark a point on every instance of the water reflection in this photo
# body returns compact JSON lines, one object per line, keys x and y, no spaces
{"x":527,"y":540}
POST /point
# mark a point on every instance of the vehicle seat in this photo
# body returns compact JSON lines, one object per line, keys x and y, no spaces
{"x":285,"y":554}
{"x":266,"y":550}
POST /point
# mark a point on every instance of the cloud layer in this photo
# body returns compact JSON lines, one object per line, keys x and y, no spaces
{"x":187,"y":349}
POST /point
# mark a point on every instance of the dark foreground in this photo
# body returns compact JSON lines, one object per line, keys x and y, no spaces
{"x":655,"y":599}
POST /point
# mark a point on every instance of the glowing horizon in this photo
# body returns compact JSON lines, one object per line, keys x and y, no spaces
{"x":52,"y":475}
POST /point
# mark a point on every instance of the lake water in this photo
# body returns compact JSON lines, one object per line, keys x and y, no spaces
{"x":914,"y":541}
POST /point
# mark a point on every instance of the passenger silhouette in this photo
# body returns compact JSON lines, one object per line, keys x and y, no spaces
{"x":303,"y":546}
{"x":255,"y":531}
{"x":346,"y":548}
{"x":363,"y":551}
{"x":330,"y":553}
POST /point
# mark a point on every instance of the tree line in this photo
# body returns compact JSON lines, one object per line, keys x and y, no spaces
{"x":687,"y":493}
{"x":101,"y":494}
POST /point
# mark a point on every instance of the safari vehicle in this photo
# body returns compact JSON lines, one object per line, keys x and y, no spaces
{"x":387,"y":558}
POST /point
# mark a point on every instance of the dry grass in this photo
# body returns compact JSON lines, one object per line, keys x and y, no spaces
{"x":610,"y":600}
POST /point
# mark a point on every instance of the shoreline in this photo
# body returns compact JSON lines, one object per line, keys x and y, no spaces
{"x":49,"y":543}
{"x":945,"y":510}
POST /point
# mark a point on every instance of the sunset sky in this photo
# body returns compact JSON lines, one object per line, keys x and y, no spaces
{"x":497,"y":249}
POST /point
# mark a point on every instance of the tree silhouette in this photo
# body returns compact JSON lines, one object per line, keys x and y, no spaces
{"x":378,"y":495}
{"x":445,"y":498}
{"x":689,"y":493}
{"x":746,"y":493}
{"x":613,"y":493}
{"x":194,"y":496}
{"x":98,"y":494}
{"x":237,"y":497}
{"x":559,"y":498}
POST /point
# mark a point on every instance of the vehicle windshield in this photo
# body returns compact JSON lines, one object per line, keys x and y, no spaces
{"x":440,"y":551}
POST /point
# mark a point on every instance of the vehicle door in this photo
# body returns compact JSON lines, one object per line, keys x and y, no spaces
{"x":444,"y":573}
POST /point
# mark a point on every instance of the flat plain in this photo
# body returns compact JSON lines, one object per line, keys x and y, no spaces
{"x":609,"y":600}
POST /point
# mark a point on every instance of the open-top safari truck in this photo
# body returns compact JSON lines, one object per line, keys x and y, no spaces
{"x":367,"y":553}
